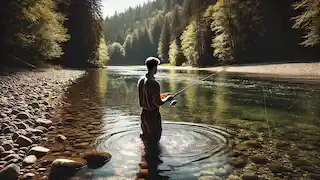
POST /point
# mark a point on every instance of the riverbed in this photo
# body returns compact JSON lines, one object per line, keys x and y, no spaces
{"x":227,"y":127}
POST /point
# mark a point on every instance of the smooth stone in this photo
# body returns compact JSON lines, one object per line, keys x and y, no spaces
{"x":23,"y":116}
{"x":44,"y":122}
{"x":23,"y":141}
{"x":259,"y":159}
{"x":2,"y":149}
{"x":96,"y":159}
{"x":28,"y":176}
{"x":10,"y":172}
{"x":15,"y":136}
{"x":11,"y":156}
{"x":22,"y":125}
{"x":42,"y":169}
{"x":249,"y":176}
{"x":233,"y":177}
{"x":31,"y":159}
{"x":35,"y":105}
{"x":252,"y":144}
{"x":42,"y":128}
{"x":12,"y":161}
{"x":64,"y":168}
{"x":238,"y":162}
{"x":36,"y":132}
{"x":81,"y":145}
{"x":38,"y":151}
{"x":6,"y":146}
{"x":61,"y":138}
{"x":279,"y":168}
{"x":51,"y":128}
{"x":6,"y":153}
{"x":8,"y":130}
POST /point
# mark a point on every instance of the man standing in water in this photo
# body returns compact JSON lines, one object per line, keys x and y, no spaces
{"x":150,"y":101}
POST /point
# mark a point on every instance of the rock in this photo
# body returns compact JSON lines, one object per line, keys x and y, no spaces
{"x":42,"y":128}
{"x":249,"y":176}
{"x":15,"y":136}
{"x":6,"y":153}
{"x":7,"y":130}
{"x":36,"y":132}
{"x":10,"y":172}
{"x":21,"y":125}
{"x":2,"y":149}
{"x":28,"y":176}
{"x":38,"y":151}
{"x":64,"y":168}
{"x":238,"y":162}
{"x":44,"y":122}
{"x":259,"y":159}
{"x":23,"y":141}
{"x":7,"y":146}
{"x":61,"y":138}
{"x":23,"y":116}
{"x":31,"y":159}
{"x":81,"y":145}
{"x":252,"y":144}
{"x":279,"y":168}
{"x":11,"y":156}
{"x":210,"y":178}
{"x":96,"y":159}
{"x":12,"y":161}
{"x":51,"y":128}
{"x":35,"y":105}
{"x":42,"y":169}
{"x":314,"y":176}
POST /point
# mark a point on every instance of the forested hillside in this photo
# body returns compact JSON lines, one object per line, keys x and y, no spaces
{"x":63,"y":32}
{"x":213,"y":32}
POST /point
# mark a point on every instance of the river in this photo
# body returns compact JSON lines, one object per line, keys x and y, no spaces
{"x":277,"y":120}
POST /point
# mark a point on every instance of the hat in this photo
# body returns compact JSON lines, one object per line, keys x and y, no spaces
{"x":150,"y":59}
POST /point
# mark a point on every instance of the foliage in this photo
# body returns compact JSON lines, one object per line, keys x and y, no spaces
{"x":190,"y":44}
{"x":117,"y":53}
{"x":309,"y":20}
{"x":164,"y":42}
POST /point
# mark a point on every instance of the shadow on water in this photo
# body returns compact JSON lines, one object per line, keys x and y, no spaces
{"x":244,"y":116}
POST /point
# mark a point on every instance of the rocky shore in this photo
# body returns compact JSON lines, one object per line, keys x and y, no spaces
{"x":27,"y":101}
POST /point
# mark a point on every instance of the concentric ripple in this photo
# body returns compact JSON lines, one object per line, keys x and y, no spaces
{"x":186,"y":149}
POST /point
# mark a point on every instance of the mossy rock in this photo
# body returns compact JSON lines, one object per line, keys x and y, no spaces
{"x":249,"y":175}
{"x":279,"y":168}
{"x":238,"y":162}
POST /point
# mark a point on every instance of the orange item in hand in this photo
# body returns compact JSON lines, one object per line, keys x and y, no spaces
{"x":164,"y":95}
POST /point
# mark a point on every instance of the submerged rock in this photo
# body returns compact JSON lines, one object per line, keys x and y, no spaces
{"x":10,"y":172}
{"x":96,"y":159}
{"x":237,"y":162}
{"x":249,"y":176}
{"x":258,"y":159}
{"x":279,"y":168}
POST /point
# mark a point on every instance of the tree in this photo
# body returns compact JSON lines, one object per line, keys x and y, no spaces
{"x":164,"y":42}
{"x":190,"y":44}
{"x":117,"y":53}
{"x":309,"y":21}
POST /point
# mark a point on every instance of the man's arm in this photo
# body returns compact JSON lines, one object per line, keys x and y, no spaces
{"x":157,"y":97}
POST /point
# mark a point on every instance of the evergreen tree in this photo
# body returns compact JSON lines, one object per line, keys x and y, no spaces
{"x":164,"y":42}
{"x":190,"y":44}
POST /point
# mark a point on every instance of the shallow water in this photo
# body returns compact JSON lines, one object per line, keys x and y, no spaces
{"x":197,"y":134}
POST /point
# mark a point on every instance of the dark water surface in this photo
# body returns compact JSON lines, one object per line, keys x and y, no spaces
{"x":198,"y":130}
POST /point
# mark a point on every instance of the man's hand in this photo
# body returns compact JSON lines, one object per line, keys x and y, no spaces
{"x":168,"y":98}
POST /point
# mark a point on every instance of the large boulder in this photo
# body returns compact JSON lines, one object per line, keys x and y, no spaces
{"x":10,"y":172}
{"x":38,"y":151}
{"x":23,"y":141}
{"x":96,"y":159}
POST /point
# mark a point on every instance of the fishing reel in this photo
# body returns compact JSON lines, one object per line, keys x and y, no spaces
{"x":172,"y":102}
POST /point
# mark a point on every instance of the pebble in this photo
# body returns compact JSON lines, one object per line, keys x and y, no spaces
{"x":258,"y":159}
{"x":237,"y":162}
{"x":23,"y":116}
{"x":96,"y":159}
{"x":23,"y":141}
{"x":249,"y":176}
{"x":61,"y":138}
{"x":31,"y":159}
{"x":28,"y":176}
{"x":43,"y":122}
{"x":38,"y":151}
{"x":6,"y":146}
{"x":10,"y":172}
{"x":11,"y":156}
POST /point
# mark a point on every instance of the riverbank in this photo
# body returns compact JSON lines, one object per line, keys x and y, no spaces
{"x":27,"y":102}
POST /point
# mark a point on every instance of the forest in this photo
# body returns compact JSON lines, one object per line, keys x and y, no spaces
{"x":73,"y":33}
{"x":58,"y":32}
{"x":215,"y":32}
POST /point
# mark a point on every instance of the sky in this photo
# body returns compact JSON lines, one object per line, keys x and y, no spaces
{"x":110,"y":6}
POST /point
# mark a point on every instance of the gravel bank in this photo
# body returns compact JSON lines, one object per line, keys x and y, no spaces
{"x":27,"y":100}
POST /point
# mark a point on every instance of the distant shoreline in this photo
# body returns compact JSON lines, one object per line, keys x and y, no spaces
{"x":275,"y":70}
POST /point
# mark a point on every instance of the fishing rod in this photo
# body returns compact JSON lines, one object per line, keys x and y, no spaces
{"x":174,"y":102}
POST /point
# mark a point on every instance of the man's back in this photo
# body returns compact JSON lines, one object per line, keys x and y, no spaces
{"x":149,"y":92}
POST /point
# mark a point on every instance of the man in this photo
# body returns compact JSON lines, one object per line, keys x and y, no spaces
{"x":150,"y":101}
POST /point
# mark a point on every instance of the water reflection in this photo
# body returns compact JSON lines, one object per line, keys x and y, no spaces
{"x":103,"y":106}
